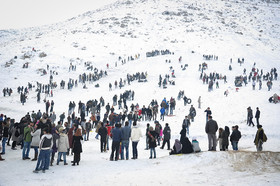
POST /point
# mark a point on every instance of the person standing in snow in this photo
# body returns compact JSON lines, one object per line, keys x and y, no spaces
{"x":225,"y":135}
{"x":126,"y":133}
{"x":166,"y":137}
{"x":27,"y":141}
{"x":47,"y":106}
{"x":186,"y":123}
{"x":260,"y":138}
{"x":208,"y":113}
{"x":152,"y":142}
{"x":117,"y":137}
{"x":77,"y":146}
{"x":199,"y":102}
{"x":234,"y":137}
{"x":35,"y":133}
{"x":136,"y":134}
{"x":220,"y":139}
{"x":211,"y":129}
{"x":103,"y":135}
{"x":45,"y":146}
{"x":192,"y":113}
{"x":62,"y":146}
{"x":257,"y":116}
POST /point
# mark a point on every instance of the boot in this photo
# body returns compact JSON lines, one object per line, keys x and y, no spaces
{"x":74,"y":163}
{"x":35,"y":157}
{"x":52,"y":162}
{"x":1,"y":159}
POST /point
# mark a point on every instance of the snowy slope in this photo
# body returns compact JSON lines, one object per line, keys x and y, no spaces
{"x":228,"y":29}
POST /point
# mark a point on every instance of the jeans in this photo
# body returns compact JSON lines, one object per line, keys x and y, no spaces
{"x":107,"y":144}
{"x":129,"y":123}
{"x":115,"y":147}
{"x":234,"y":145}
{"x":147,"y":142}
{"x":26,"y":149}
{"x":171,"y":111}
{"x":125,"y":145}
{"x":59,"y":157}
{"x":87,"y":135}
{"x":162,"y":117}
{"x":151,"y":152}
{"x":134,"y":149}
{"x":4,"y":144}
{"x":43,"y":160}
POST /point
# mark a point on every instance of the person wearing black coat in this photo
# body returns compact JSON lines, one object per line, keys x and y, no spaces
{"x":152,"y":142}
{"x":183,"y":133}
{"x":166,"y":138}
{"x":234,"y":137}
{"x":257,"y":116}
{"x":77,"y":146}
{"x":103,"y":134}
{"x":186,"y":146}
{"x":225,"y":135}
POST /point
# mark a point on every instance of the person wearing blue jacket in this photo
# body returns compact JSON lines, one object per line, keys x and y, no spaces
{"x":117,"y":137}
{"x":126,"y":133}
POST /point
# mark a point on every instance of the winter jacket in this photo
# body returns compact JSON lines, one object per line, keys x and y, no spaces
{"x":195,"y":145}
{"x":117,"y":134}
{"x":14,"y":129}
{"x":77,"y":145}
{"x":257,"y":114}
{"x":152,"y":139}
{"x":225,"y":136}
{"x":167,"y":133}
{"x":103,"y":133}
{"x":62,"y":143}
{"x":35,"y":138}
{"x":260,"y":135}
{"x":27,"y":134}
{"x":186,"y":122}
{"x":126,"y":133}
{"x":136,"y":134}
{"x":186,"y":146}
{"x":46,"y":142}
{"x":183,"y":134}
{"x":235,"y":135}
{"x":211,"y":127}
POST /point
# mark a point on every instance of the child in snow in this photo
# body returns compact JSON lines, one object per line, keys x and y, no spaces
{"x":195,"y":145}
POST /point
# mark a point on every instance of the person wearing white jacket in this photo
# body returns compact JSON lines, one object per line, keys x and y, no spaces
{"x":35,"y":133}
{"x":63,"y":146}
{"x":136,"y":134}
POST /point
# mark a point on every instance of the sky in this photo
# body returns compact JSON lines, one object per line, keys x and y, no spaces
{"x":16,"y":14}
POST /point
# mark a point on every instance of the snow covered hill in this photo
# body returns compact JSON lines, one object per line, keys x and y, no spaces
{"x":228,"y":29}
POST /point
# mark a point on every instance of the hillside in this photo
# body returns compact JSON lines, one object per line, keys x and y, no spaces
{"x":188,"y":29}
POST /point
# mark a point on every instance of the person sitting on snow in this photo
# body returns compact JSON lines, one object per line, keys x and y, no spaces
{"x":195,"y":145}
{"x":177,"y":148}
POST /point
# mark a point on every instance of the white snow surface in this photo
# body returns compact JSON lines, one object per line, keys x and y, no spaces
{"x":229,"y":29}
